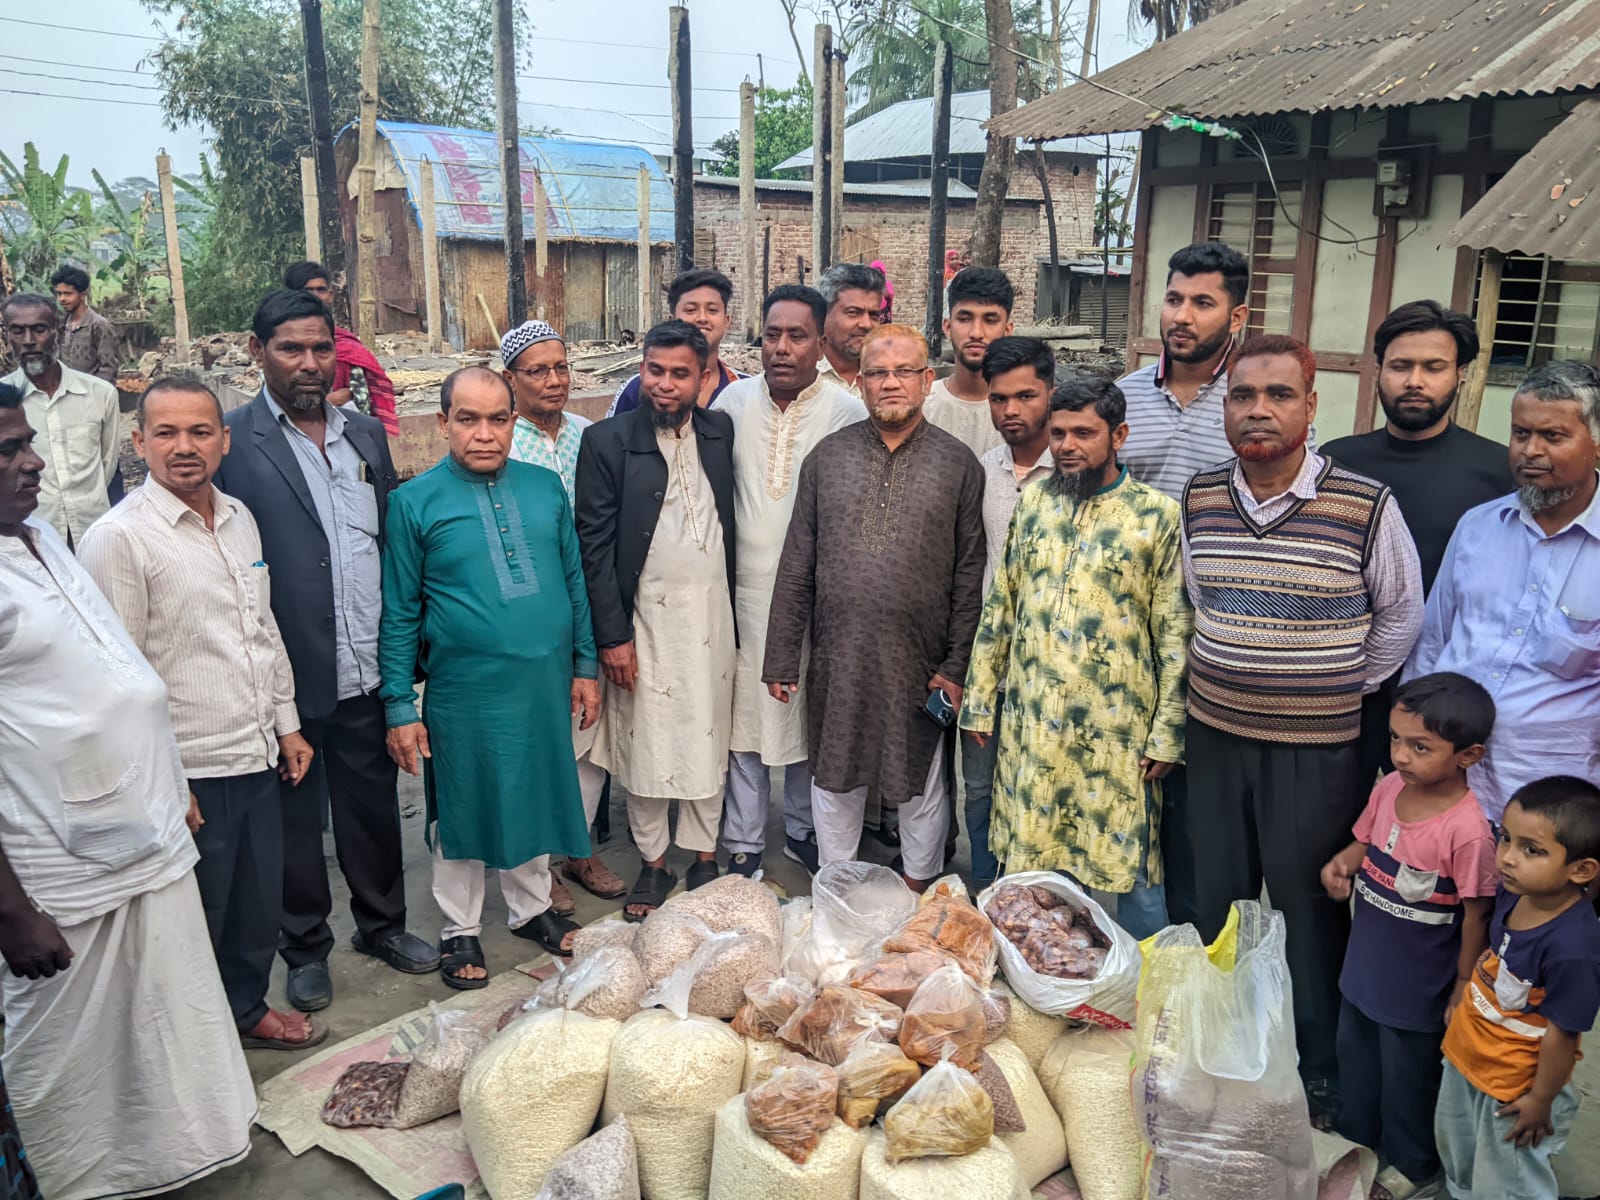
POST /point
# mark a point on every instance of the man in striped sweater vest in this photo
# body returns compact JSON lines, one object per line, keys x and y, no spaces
{"x":1307,"y":594}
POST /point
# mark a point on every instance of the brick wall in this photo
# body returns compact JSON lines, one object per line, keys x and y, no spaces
{"x":893,"y":229}
{"x":1073,"y":194}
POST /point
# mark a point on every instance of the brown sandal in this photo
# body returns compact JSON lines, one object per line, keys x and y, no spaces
{"x":316,"y":1033}
{"x":594,"y":876}
{"x":561,"y":901}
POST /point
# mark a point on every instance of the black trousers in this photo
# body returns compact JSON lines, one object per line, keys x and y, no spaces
{"x":1390,"y":1083}
{"x":1374,"y":743}
{"x":1274,"y":813}
{"x":353,"y":764}
{"x":240,"y":874}
{"x":1182,"y":908}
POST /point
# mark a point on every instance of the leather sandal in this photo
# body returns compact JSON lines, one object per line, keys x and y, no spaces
{"x":649,"y":891}
{"x":549,"y":929}
{"x":458,"y":952}
{"x":595,"y":877}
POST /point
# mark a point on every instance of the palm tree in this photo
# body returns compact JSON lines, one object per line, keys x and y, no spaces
{"x":1168,"y":17}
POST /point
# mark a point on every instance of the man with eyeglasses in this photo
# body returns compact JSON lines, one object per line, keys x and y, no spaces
{"x":547,"y":435}
{"x":882,"y":570}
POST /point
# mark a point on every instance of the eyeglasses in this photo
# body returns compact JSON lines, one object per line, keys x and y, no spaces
{"x":540,"y":374}
{"x":903,"y":374}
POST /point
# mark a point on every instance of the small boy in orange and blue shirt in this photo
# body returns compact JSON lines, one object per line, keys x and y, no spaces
{"x":1507,"y":1102}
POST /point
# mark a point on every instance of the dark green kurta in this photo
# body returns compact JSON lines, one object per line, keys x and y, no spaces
{"x":483,"y":596}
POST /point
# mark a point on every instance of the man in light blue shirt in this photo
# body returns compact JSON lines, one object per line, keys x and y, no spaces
{"x":1516,"y":605}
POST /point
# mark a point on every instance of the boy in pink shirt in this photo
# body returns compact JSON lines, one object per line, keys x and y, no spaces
{"x":1422,"y":870}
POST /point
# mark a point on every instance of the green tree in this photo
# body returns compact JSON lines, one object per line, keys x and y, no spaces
{"x":237,"y":67}
{"x":46,"y":221}
{"x":783,"y":128}
{"x":891,"y":46}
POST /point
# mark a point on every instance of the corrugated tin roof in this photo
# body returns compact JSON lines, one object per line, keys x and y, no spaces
{"x":905,"y":130}
{"x":1270,"y":56}
{"x":593,"y":190}
{"x":1547,"y":204}
{"x":911,"y":188}
{"x":594,"y":125}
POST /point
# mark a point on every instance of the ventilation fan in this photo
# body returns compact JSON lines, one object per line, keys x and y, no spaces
{"x":1279,"y":138}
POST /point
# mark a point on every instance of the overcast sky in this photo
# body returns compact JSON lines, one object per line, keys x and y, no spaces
{"x":103,"y":113}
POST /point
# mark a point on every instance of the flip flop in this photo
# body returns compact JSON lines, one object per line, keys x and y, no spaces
{"x":458,"y":952}
{"x":548,"y":929}
{"x":700,"y":873}
{"x":589,"y":878}
{"x":651,"y":889}
{"x":256,"y":1041}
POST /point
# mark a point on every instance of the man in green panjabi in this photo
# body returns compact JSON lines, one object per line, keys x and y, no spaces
{"x":1088,"y":622}
{"x":483,"y":596}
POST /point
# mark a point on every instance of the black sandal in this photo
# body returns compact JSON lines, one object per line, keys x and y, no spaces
{"x":700,"y":873}
{"x":458,"y":952}
{"x":650,"y":889}
{"x":549,"y":929}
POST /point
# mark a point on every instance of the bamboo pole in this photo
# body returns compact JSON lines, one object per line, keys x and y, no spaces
{"x":309,"y":210}
{"x":1470,"y":402}
{"x":367,"y":177}
{"x":644,"y":250}
{"x":836,"y":155}
{"x":821,"y":148}
{"x":510,"y":144}
{"x":750,"y":296}
{"x":430,"y":261}
{"x":541,"y":239}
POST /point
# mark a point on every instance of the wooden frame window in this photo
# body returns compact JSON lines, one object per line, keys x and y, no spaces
{"x":1547,"y":309}
{"x":1250,"y":218}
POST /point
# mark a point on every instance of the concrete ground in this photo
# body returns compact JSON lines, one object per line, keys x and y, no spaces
{"x":367,"y":993}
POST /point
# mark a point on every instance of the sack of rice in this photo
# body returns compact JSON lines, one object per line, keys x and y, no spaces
{"x":608,"y":931}
{"x":1032,"y":1031}
{"x":1007,"y":1116}
{"x":717,"y":972}
{"x":768,"y":1004}
{"x":732,"y":902}
{"x":532,"y":1094}
{"x":945,"y":1114}
{"x":604,"y":1166}
{"x":609,"y":983}
{"x":432,"y":1087}
{"x":1088,"y":1076}
{"x":944,"y":1019}
{"x":835,"y":1019}
{"x":744,"y":1167}
{"x":853,"y":904}
{"x":670,"y":1072}
{"x":896,"y":977}
{"x":988,"y":1173}
{"x":1059,"y":949}
{"x":760,"y":1058}
{"x":666,"y":940}
{"x":948,"y":923}
{"x":872,"y":1073}
{"x":1041,"y":1147}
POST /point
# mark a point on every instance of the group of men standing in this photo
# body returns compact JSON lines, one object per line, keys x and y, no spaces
{"x":1158,"y":619}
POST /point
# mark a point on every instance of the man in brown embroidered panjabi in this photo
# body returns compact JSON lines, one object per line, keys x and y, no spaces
{"x":883,"y":568}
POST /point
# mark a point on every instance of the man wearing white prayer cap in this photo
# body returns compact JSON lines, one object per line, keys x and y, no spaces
{"x":547,"y":435}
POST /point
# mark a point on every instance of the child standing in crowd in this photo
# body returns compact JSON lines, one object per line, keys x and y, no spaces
{"x":1507,"y":1100}
{"x":1422,"y":868}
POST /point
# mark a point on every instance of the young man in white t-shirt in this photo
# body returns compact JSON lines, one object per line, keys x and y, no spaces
{"x":980,"y":311}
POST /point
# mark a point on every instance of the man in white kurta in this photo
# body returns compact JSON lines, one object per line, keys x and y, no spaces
{"x":778,"y":417}
{"x":655,"y":516}
{"x":121,"y":1058}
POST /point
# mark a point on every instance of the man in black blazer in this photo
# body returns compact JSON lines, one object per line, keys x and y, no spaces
{"x":655,"y":515}
{"x":317,"y":480}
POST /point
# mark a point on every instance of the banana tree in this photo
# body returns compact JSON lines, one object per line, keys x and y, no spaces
{"x":46,"y":221}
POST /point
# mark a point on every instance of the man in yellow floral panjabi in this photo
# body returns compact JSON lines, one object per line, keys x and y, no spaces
{"x":1088,"y":623}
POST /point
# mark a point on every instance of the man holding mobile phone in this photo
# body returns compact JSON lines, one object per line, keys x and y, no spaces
{"x":883,"y":569}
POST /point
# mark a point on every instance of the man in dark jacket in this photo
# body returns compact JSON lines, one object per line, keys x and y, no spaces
{"x":317,"y":479}
{"x":655,"y":522}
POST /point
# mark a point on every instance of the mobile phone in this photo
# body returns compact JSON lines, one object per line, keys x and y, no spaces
{"x":939,"y":709}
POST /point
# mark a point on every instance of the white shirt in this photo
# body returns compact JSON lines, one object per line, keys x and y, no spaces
{"x":92,"y":794}
{"x":1001,"y":487}
{"x":80,"y":433}
{"x":1393,"y":573}
{"x":769,"y":444}
{"x":968,"y":421}
{"x":826,"y":367}
{"x":197,"y":603}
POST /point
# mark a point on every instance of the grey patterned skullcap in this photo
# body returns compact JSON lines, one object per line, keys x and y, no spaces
{"x":529,"y":333}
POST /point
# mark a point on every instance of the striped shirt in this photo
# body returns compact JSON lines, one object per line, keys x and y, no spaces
{"x":197,"y":603}
{"x":1001,"y":489}
{"x":1168,"y":442}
